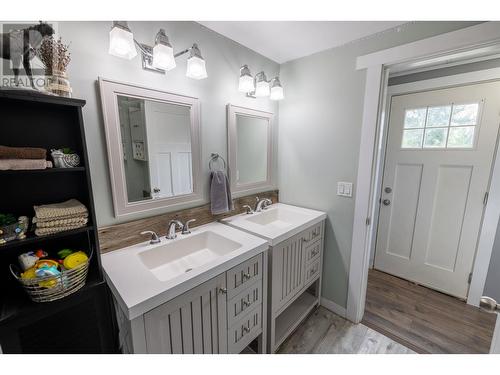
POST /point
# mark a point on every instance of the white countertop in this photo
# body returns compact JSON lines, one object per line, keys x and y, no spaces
{"x":278,"y":230}
{"x":138,"y":291}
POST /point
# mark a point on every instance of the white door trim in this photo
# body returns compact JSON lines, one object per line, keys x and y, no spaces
{"x":475,"y":37}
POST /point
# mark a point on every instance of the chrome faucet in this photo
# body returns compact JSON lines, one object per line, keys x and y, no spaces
{"x":185,"y":228}
{"x":154,"y":236}
{"x":249,"y":210}
{"x":172,"y":226}
{"x":261,"y":204}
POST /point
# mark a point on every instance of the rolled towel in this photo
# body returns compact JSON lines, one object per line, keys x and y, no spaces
{"x":60,"y":210}
{"x":7,"y":152}
{"x":24,"y":164}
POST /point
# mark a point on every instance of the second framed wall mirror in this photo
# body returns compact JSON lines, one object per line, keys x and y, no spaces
{"x":250,"y":146}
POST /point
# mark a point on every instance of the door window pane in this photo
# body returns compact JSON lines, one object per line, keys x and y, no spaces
{"x":412,"y":138}
{"x":438,"y":116}
{"x":464,"y":114}
{"x":435,"y":137}
{"x":415,"y":118}
{"x":461,"y":137}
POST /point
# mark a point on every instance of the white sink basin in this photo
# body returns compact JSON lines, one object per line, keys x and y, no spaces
{"x":145,"y":275}
{"x":175,"y":258}
{"x":280,"y":217}
{"x":277,"y":223}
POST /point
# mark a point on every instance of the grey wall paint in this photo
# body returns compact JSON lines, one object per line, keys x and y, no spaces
{"x":320,"y":127}
{"x":90,"y":59}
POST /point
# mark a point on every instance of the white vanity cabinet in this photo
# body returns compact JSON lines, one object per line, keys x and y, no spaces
{"x":221,"y":315}
{"x":295,"y":281}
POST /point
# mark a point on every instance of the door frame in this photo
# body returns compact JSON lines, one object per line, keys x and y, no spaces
{"x":467,"y":43}
{"x":439,"y":83}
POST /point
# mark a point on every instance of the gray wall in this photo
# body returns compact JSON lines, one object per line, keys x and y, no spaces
{"x":90,"y":59}
{"x":319,"y":136}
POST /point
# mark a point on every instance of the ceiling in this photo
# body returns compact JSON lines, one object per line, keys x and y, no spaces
{"x":282,"y":41}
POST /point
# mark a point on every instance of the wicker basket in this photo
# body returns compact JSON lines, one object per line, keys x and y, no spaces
{"x":52,"y":288}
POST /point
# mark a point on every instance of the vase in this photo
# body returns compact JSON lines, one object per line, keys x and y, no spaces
{"x":56,"y":82}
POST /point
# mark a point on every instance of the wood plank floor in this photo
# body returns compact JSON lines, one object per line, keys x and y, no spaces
{"x":324,"y":332}
{"x":425,"y":320}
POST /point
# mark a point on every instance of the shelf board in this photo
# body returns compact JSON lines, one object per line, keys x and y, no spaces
{"x":293,"y":315}
{"x":20,"y":303}
{"x":32,"y":238}
{"x":43,"y":171}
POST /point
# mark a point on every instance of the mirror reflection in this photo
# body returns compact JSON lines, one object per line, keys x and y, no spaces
{"x":252,"y":149}
{"x":156,"y":143}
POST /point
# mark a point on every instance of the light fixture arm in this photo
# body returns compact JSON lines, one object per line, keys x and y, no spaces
{"x":146,"y":52}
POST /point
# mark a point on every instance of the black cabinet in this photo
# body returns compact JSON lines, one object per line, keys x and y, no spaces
{"x":84,"y":321}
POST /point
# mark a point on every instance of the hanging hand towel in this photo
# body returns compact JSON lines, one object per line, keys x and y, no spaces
{"x":220,"y":193}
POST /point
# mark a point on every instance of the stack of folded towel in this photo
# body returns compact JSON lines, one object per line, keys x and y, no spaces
{"x":59,"y":217}
{"x":21,"y":158}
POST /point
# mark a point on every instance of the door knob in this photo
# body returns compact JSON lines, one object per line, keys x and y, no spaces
{"x":386,"y":202}
{"x":156,"y":190}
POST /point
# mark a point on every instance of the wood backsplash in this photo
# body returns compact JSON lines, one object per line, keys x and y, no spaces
{"x":126,"y":234}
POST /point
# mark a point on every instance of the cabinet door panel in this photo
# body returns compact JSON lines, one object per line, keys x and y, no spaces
{"x":194,"y":322}
{"x":287,"y":271}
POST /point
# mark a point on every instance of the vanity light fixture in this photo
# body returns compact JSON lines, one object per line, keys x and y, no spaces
{"x":246,"y":82}
{"x":259,"y":86}
{"x":121,"y":41}
{"x":159,"y":58}
{"x":196,"y":64}
{"x":276,"y":89}
{"x":163,"y":53}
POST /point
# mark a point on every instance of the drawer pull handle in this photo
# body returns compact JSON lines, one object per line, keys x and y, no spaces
{"x":246,"y":303}
{"x":305,"y":240}
{"x":314,"y":253}
{"x":222,"y":290}
{"x":244,"y":330}
{"x":312,"y":272}
{"x":246,"y":276}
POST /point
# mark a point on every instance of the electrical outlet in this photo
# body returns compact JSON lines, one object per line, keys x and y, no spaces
{"x":138,"y":150}
{"x":344,"y":189}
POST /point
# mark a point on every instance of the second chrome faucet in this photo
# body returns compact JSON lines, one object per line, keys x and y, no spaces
{"x":174,"y":224}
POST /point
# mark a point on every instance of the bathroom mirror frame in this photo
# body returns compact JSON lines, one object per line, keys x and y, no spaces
{"x":110,"y":90}
{"x":253,"y":187}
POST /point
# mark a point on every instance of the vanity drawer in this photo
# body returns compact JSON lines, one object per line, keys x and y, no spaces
{"x":312,"y":233}
{"x":313,"y":271}
{"x":243,"y":275}
{"x":243,"y":302}
{"x":313,"y":250}
{"x":245,"y":330}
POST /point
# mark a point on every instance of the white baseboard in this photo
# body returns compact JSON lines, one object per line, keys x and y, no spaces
{"x":332,"y":306}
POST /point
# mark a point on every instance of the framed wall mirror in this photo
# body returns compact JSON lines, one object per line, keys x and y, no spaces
{"x":250,"y":149}
{"x":153,"y":147}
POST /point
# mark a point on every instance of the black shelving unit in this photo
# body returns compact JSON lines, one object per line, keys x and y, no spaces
{"x":84,"y":321}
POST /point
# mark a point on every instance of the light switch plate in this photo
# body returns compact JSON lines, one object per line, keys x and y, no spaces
{"x":344,"y":189}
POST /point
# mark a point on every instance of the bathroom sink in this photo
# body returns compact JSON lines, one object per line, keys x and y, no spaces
{"x":280,"y":217}
{"x":144,"y":276}
{"x":172,"y":259}
{"x":276,"y":223}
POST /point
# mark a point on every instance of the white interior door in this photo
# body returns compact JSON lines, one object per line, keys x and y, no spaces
{"x":440,"y":148}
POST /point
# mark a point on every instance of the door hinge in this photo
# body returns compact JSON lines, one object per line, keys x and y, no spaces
{"x":368,"y":221}
{"x":470,"y":278}
{"x":485,"y":199}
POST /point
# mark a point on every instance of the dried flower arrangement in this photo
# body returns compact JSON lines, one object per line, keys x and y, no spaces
{"x":54,"y":55}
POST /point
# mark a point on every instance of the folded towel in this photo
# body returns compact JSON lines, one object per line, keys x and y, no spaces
{"x":60,"y":222}
{"x":7,"y":152}
{"x":48,"y":231}
{"x":220,"y":193}
{"x":24,"y":164}
{"x":61,"y":210}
